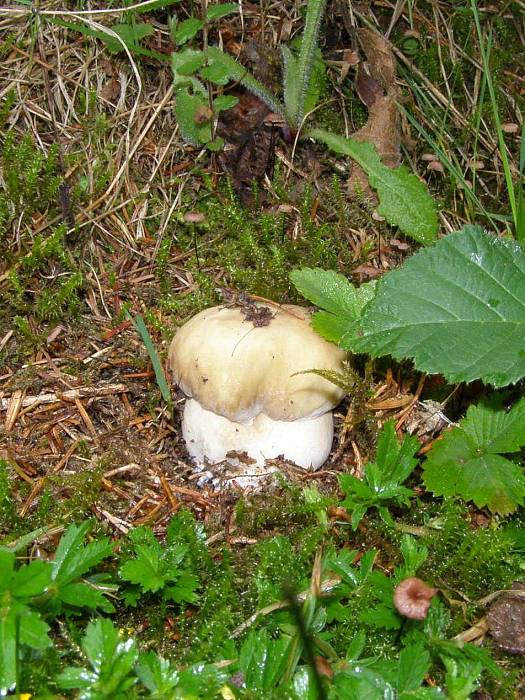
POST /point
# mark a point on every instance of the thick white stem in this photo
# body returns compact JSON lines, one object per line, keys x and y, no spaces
{"x":209,"y":437}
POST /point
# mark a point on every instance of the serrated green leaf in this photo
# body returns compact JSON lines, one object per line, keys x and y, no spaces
{"x":187,"y":29}
{"x":262,"y":660}
{"x":457,"y":309}
{"x":32,"y":579}
{"x":145,"y":570}
{"x":82,"y":595}
{"x":404,"y":200}
{"x":494,"y":429}
{"x":73,"y":558}
{"x":222,"y":10}
{"x":382,"y":478}
{"x":467,"y":462}
{"x":157,"y":674}
{"x":184,"y":590}
{"x":112,"y":660}
{"x":342,"y":303}
{"x":414,"y":661}
{"x":33,"y":630}
{"x":455,"y":467}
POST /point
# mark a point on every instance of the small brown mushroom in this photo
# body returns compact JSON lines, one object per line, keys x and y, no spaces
{"x":412,"y":598}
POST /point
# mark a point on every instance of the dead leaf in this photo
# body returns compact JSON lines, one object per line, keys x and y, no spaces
{"x":506,"y":619}
{"x":376,"y":87}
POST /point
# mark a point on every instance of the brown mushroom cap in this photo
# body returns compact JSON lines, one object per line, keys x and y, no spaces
{"x":238,"y":370}
{"x":412,"y":598}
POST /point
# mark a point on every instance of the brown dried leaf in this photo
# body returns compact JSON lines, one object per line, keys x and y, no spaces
{"x":506,"y":619}
{"x":380,"y":58}
{"x":377,"y":89}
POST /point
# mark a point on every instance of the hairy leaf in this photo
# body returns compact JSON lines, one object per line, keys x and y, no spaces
{"x":404,"y":200}
{"x":222,"y":10}
{"x":240,"y":74}
{"x":457,"y":308}
{"x":468,"y":461}
{"x":187,"y":110}
{"x":187,"y":29}
{"x":298,"y":72}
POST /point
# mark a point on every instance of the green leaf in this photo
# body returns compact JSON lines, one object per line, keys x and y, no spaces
{"x":33,"y":630}
{"x":7,"y":565}
{"x":82,"y":595}
{"x":157,"y":675}
{"x":187,"y":109}
{"x":222,"y":10}
{"x":73,"y":558}
{"x":241,"y":75}
{"x":145,"y":570}
{"x":140,"y":326}
{"x":157,"y":5}
{"x":414,"y":661}
{"x":32,"y":579}
{"x":187,"y":29}
{"x":131,"y":34}
{"x":404,"y":200}
{"x":224,"y":102}
{"x":383,"y":478}
{"x":111,"y":659}
{"x":262,"y":660}
{"x":298,"y":72}
{"x":341,"y":301}
{"x":467,"y":463}
{"x":183,"y":65}
{"x":216,"y":73}
{"x":457,"y":309}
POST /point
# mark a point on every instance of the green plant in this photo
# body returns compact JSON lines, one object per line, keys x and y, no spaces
{"x":514,"y":189}
{"x":382,"y":480}
{"x":469,"y":461}
{"x":111,"y":662}
{"x":122,"y":36}
{"x":404,"y":200}
{"x":155,"y":567}
{"x":33,"y":594}
{"x":142,"y":330}
{"x":456,"y":308}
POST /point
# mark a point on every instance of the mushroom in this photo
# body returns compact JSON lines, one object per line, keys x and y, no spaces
{"x":243,"y":371}
{"x":412,"y":598}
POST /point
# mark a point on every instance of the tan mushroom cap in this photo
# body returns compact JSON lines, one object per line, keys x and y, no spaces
{"x":238,"y":370}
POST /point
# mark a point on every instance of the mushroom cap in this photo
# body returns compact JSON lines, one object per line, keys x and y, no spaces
{"x":412,"y":598}
{"x":238,"y":369}
{"x":209,"y":437}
